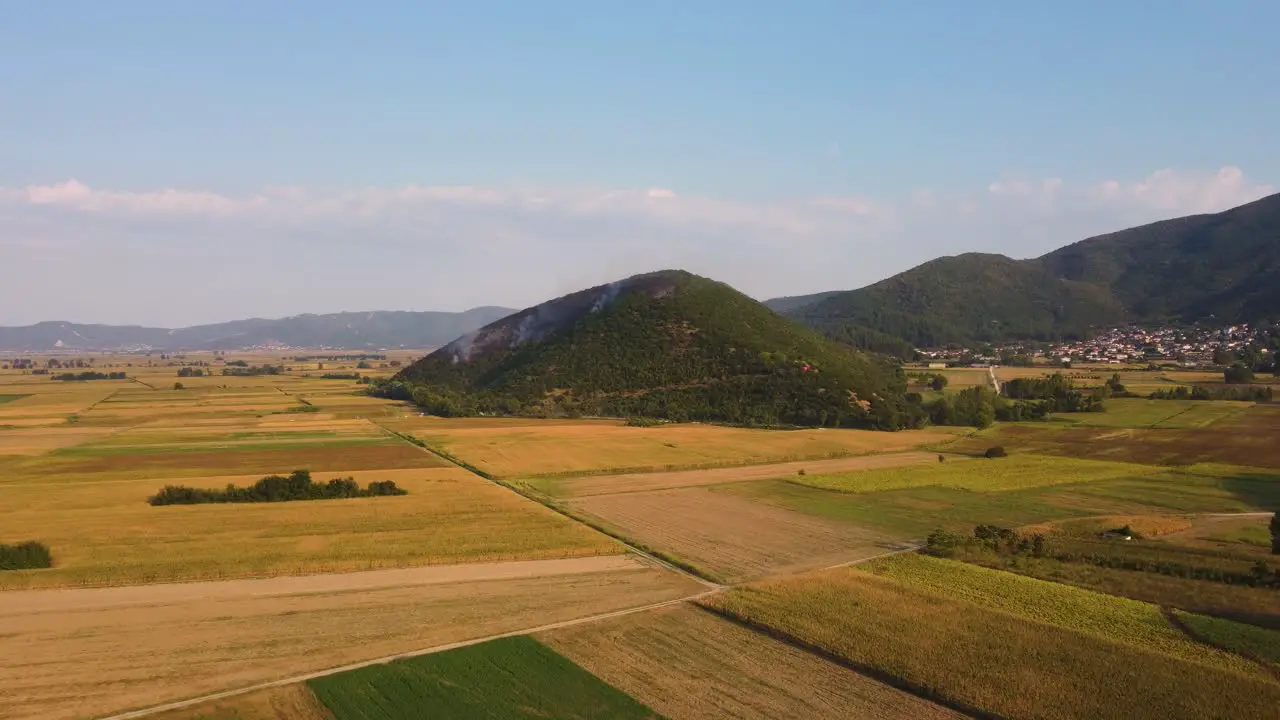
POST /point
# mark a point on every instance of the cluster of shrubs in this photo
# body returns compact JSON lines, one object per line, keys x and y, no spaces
{"x":298,"y":485}
{"x":25,"y":556}
{"x":90,"y":375}
{"x":243,"y":369}
{"x":987,"y":537}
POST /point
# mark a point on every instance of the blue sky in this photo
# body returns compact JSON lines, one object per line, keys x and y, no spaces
{"x":433,"y":155}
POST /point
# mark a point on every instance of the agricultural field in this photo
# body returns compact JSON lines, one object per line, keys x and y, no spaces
{"x":286,"y":702}
{"x":1019,"y":472}
{"x":726,"y":537}
{"x":104,"y":533}
{"x":1139,"y":413}
{"x":87,"y":653}
{"x":689,"y":664}
{"x":1113,"y":618}
{"x":515,"y":677}
{"x":565,"y":448}
{"x":913,"y":512}
{"x":633,"y":482}
{"x":1242,"y":437}
{"x":972,"y":657}
{"x":1176,"y":561}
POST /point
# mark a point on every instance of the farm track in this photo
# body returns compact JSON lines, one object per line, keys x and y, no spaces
{"x":362,"y":580}
{"x":80,"y":600}
{"x":400,"y":656}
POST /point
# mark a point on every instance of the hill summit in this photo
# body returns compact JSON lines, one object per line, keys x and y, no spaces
{"x":669,"y":345}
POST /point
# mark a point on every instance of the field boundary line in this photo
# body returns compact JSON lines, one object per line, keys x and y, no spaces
{"x":178,"y":705}
{"x":677,"y":566}
{"x":1170,"y":614}
{"x":881,"y":676}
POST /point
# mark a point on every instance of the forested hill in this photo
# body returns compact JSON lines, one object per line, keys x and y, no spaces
{"x":1224,"y":265}
{"x":351,"y":330}
{"x":665,"y":345}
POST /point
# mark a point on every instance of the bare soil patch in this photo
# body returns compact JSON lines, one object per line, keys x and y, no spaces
{"x":730,"y":536}
{"x":689,"y":664}
{"x":79,"y":658}
{"x":606,"y":484}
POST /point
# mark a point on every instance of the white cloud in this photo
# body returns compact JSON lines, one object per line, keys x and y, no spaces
{"x":285,"y":250}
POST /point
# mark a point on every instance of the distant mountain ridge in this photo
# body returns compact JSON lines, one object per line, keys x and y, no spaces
{"x":346,"y":330}
{"x":1224,"y":265}
{"x":669,"y":345}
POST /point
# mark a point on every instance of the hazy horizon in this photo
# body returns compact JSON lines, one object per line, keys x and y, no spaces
{"x":169,"y":166}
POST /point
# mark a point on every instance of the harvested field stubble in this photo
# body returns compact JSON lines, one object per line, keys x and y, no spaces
{"x":607,"y":484}
{"x":106,"y":533}
{"x":583,"y":448}
{"x":288,"y":702}
{"x":1235,"y":440}
{"x":731,"y":537}
{"x":95,"y":652}
{"x":690,"y":664}
{"x":973,"y":656}
{"x":981,"y":475}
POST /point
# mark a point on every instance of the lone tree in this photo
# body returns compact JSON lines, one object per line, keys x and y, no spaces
{"x":1238,"y":375}
{"x":1275,"y":534}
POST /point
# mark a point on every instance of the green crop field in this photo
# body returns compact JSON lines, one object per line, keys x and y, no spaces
{"x":1071,"y":608}
{"x":1142,"y":413}
{"x":935,"y":497}
{"x":514,"y":677}
{"x":981,"y":475}
{"x":992,"y":662}
{"x":1247,"y":640}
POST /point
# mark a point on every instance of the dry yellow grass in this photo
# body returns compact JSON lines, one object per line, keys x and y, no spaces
{"x":728,"y":536}
{"x":688,"y":664}
{"x":609,"y":484}
{"x":106,"y":533}
{"x":509,"y":450}
{"x":85,"y":657}
{"x":1144,"y":525}
{"x":35,"y":441}
{"x":287,"y":702}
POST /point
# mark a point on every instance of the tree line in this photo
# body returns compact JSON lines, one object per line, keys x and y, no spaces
{"x":298,"y":485}
{"x":89,"y":375}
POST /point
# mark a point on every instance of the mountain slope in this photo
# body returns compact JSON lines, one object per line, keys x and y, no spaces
{"x":1225,"y":265}
{"x":667,"y":344}
{"x":363,"y":330}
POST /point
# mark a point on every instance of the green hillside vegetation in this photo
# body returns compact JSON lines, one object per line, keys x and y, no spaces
{"x":1224,"y":265}
{"x":666,"y":345}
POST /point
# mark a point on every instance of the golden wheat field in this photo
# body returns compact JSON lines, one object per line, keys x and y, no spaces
{"x":106,"y":533}
{"x":549,"y":448}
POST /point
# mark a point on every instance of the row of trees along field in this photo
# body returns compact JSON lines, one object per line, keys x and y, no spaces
{"x":298,"y":485}
{"x":773,"y":399}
